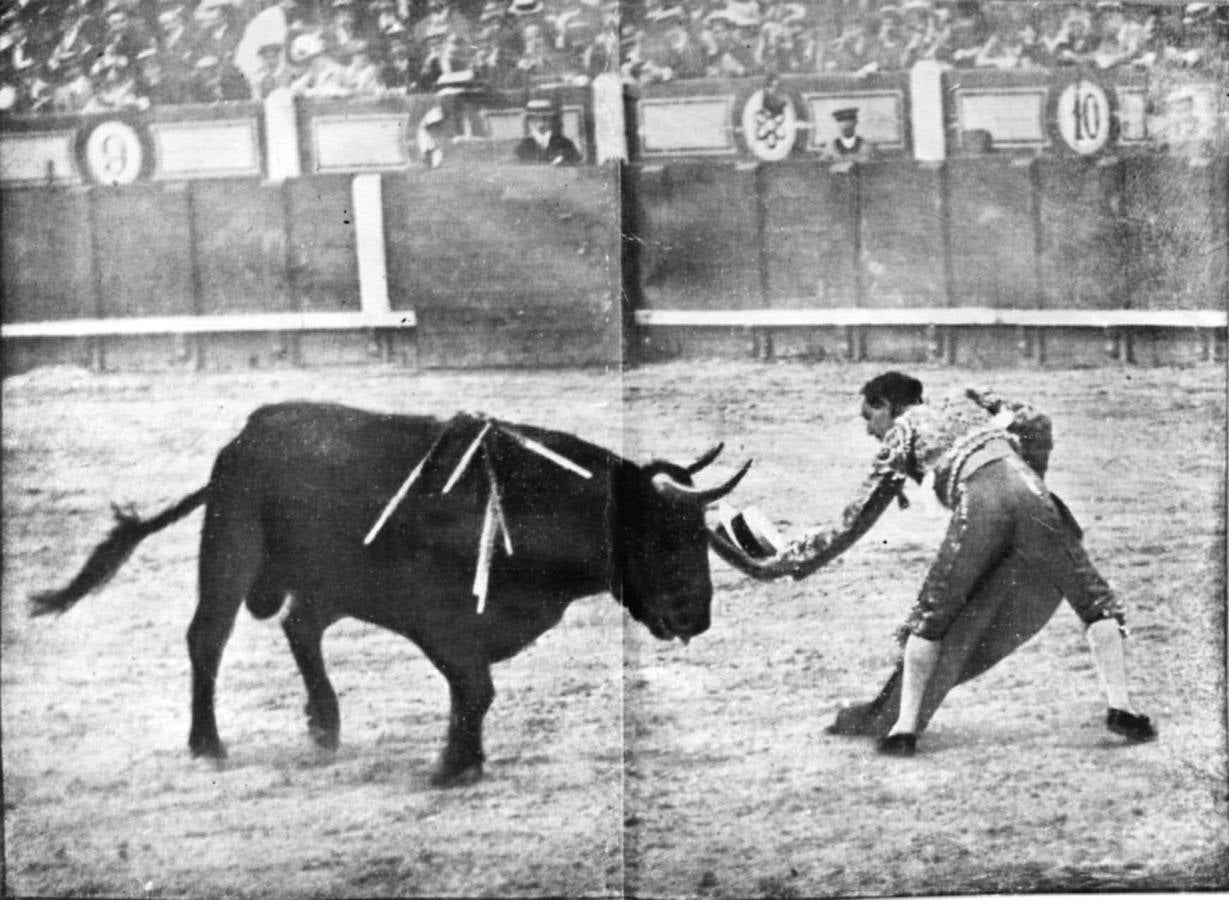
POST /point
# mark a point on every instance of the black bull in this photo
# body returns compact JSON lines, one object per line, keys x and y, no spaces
{"x":291,"y":498}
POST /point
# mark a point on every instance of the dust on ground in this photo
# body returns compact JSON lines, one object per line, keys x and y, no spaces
{"x":616,"y":764}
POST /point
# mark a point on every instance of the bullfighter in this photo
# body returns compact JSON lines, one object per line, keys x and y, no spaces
{"x":988,"y":458}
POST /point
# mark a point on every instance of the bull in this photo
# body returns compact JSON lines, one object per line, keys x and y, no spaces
{"x":289,"y":509}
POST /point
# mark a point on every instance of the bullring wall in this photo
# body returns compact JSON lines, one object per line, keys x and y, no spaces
{"x":312,"y":233}
{"x":997,"y":231}
{"x":500,"y":265}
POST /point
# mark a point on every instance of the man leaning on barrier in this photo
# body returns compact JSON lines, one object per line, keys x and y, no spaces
{"x":987,"y":458}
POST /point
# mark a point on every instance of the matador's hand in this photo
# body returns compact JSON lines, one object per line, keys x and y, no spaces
{"x":768,"y":569}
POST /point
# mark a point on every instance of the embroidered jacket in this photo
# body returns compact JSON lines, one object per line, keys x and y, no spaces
{"x":928,"y":438}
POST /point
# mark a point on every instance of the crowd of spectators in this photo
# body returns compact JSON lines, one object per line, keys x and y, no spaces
{"x":695,"y":38}
{"x":65,"y":56}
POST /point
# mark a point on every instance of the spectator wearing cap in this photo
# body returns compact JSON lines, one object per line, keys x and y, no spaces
{"x":545,"y":143}
{"x":360,"y":76}
{"x":115,"y":86}
{"x":75,"y":89}
{"x":848,"y":146}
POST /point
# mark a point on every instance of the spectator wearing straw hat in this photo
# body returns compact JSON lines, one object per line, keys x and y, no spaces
{"x":320,"y":74}
{"x":545,"y":143}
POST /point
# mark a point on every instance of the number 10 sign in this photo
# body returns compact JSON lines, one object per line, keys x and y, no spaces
{"x":1084,"y":117}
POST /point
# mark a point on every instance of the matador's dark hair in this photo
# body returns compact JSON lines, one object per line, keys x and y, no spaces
{"x":898,"y":389}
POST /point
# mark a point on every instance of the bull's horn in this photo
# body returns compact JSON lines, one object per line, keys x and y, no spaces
{"x":705,"y":460}
{"x":668,"y":487}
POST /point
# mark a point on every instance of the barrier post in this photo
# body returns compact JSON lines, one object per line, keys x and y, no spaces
{"x":281,"y":136}
{"x":98,"y":355}
{"x":368,"y":203}
{"x":609,"y":131}
{"x":928,"y":121}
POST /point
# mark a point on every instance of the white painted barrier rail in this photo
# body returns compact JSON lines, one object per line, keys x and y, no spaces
{"x":938,"y":316}
{"x":227,"y":324}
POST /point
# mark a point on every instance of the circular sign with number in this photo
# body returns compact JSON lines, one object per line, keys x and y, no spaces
{"x":1084,"y":117}
{"x":770,"y":125}
{"x":113,"y":153}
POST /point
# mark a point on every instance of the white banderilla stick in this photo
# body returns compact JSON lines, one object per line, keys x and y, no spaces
{"x":486,"y":552}
{"x":392,"y":504}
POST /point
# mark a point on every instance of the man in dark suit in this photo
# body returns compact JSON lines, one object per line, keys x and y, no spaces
{"x":848,"y":146}
{"x":546,"y":143}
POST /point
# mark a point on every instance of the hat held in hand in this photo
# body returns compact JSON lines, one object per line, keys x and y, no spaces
{"x":749,"y":530}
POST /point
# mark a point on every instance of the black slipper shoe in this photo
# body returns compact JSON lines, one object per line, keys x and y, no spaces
{"x":901,"y":744}
{"x":1131,"y":726}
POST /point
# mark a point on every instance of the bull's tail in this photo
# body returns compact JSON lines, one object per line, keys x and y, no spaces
{"x":129,"y":530}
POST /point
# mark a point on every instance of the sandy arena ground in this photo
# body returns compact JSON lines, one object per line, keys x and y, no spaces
{"x":617,"y":764}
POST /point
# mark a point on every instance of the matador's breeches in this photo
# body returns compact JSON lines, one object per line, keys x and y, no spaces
{"x":1003,"y":508}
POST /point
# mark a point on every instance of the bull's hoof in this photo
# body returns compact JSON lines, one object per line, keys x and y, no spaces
{"x":450,"y":778}
{"x":323,"y":738}
{"x":210,"y":748}
{"x":324,"y":725}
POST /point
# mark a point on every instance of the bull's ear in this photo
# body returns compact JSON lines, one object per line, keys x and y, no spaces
{"x":705,"y":460}
{"x":669,"y":487}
